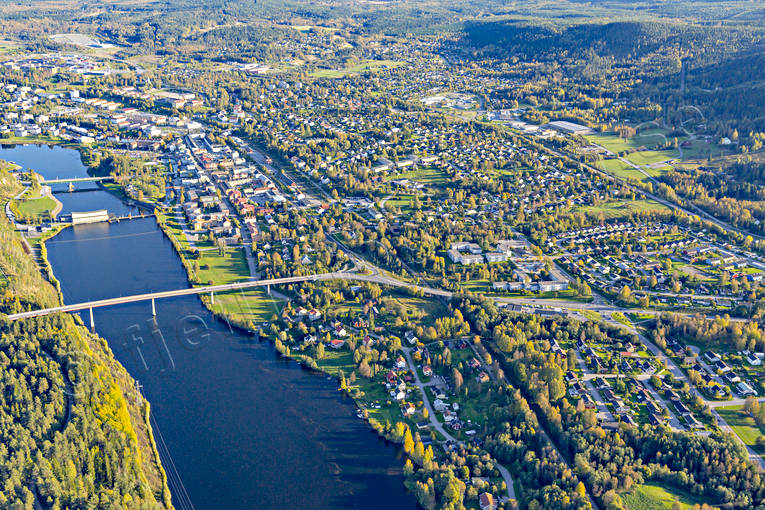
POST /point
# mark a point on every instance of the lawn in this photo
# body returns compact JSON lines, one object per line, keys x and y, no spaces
{"x":743,"y":425}
{"x":401,"y":201}
{"x":651,"y":496}
{"x":36,"y":207}
{"x":364,"y":66}
{"x":616,"y":209}
{"x":619,"y":168}
{"x":221,"y":269}
{"x":650,"y":157}
{"x":611,"y":142}
{"x":248,"y":305}
{"x":621,"y":318}
{"x":648,"y":139}
{"x":427,"y":175}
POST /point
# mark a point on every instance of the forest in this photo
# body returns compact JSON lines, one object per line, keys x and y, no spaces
{"x":73,"y":431}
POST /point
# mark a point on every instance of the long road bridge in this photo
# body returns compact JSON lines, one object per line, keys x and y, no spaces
{"x":42,"y":180}
{"x":212,"y":289}
{"x":376,"y":277}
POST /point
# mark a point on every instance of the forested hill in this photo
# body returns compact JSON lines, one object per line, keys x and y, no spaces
{"x":618,"y":39}
{"x":72,"y":434}
{"x":641,"y":61}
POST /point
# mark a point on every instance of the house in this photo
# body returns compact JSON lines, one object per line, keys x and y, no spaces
{"x":486,"y":501}
{"x":314,"y":315}
{"x":410,"y":337}
{"x":336,"y":343}
{"x":577,"y":389}
{"x":551,"y":286}
{"x":722,"y":366}
{"x":427,"y":371}
{"x":589,"y":403}
{"x":391,"y":376}
{"x":483,"y":377}
{"x":496,"y":257}
{"x":745,"y":389}
{"x":309,"y":339}
{"x":407,"y":409}
{"x":712,"y":357}
{"x":754,"y":359}
{"x":340,"y":330}
{"x":400,"y":363}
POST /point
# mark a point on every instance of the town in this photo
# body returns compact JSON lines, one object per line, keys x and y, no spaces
{"x":536,"y":304}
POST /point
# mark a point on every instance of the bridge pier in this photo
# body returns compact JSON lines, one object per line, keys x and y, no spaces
{"x":153,"y":308}
{"x":268,"y":289}
{"x":92,"y":322}
{"x":212,"y":297}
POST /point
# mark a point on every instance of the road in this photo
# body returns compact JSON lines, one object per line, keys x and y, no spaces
{"x":587,"y":381}
{"x":440,"y":428}
{"x":680,"y":375}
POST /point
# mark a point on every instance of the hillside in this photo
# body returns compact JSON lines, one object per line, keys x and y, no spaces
{"x":73,"y":431}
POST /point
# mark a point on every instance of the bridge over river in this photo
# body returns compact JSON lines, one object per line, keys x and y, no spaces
{"x":43,"y":180}
{"x":532,"y":304}
{"x":210,"y":289}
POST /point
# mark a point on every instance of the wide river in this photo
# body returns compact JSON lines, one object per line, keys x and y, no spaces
{"x":237,"y":426}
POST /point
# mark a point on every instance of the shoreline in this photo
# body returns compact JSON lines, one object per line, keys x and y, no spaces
{"x":360,"y":405}
{"x":145,"y":410}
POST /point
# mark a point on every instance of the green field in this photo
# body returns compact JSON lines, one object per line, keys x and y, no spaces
{"x":649,"y":139}
{"x":591,"y":315}
{"x":220,"y":269}
{"x":651,"y":496}
{"x":402,"y":201}
{"x":364,"y":66}
{"x":650,"y":157}
{"x":427,"y":175}
{"x":248,"y":305}
{"x":36,"y":207}
{"x":621,"y":169}
{"x":743,"y":425}
{"x":616,"y":209}
{"x":229,"y":267}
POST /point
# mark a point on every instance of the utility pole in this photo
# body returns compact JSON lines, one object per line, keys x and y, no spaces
{"x":138,"y":389}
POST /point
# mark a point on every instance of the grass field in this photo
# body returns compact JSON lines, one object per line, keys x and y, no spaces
{"x":220,"y":269}
{"x":591,"y":315}
{"x":229,"y":267}
{"x":651,"y":157}
{"x":364,"y":66}
{"x":36,"y":207}
{"x":621,"y":318}
{"x":248,"y":305}
{"x":743,"y":425}
{"x":621,"y":169}
{"x":427,"y":175}
{"x":651,"y":496}
{"x":621,"y":208}
{"x":402,"y":201}
{"x":648,"y":139}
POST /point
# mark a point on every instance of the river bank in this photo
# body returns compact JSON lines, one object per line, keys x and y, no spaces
{"x":325,"y":455}
{"x":118,"y":410}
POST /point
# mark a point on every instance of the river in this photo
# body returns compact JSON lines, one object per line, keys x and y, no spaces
{"x":238,"y":427}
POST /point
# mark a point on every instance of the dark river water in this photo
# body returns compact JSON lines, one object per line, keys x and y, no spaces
{"x":237,"y":426}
